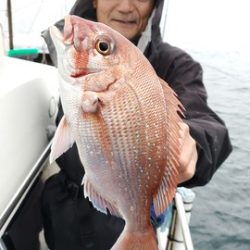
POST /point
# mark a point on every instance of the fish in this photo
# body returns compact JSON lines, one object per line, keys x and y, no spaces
{"x":124,"y":120}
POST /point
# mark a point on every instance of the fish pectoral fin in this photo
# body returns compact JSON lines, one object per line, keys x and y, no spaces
{"x":62,"y":140}
{"x":100,"y":203}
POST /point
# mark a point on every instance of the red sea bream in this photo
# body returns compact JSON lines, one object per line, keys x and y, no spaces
{"x":124,"y":120}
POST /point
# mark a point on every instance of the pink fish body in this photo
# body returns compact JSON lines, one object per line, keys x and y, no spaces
{"x":124,"y":120}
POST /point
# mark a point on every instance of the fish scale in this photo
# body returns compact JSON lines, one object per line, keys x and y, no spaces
{"x":126,"y":129}
{"x":125,"y":142}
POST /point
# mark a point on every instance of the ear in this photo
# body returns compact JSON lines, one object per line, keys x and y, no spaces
{"x":94,"y":3}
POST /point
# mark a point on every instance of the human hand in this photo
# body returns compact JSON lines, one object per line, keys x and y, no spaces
{"x":188,"y":153}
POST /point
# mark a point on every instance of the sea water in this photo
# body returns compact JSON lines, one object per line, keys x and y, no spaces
{"x":216,"y":33}
{"x":221,"y":213}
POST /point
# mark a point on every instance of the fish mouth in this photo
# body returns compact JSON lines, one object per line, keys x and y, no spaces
{"x":79,"y":74}
{"x":83,"y":72}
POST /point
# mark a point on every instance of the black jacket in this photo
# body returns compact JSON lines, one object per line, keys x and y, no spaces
{"x":184,"y":75}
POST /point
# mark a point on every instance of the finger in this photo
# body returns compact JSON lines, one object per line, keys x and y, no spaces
{"x":183,"y":132}
{"x":188,"y":146}
{"x":188,"y":162}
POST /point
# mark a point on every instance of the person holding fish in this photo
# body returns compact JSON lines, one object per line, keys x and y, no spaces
{"x":120,"y":119}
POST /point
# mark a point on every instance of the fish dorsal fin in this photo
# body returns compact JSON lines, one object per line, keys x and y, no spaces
{"x":62,"y":140}
{"x":97,"y":200}
{"x":171,"y":99}
{"x":165,"y":192}
{"x":167,"y":188}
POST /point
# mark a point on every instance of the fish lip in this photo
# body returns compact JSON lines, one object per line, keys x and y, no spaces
{"x":83,"y":73}
{"x":79,"y":74}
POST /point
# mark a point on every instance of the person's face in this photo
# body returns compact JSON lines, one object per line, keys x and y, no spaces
{"x":129,"y":17}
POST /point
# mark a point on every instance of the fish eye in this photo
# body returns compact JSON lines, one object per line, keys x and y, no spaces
{"x":103,"y":46}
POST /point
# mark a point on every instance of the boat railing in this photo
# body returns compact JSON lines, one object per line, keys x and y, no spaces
{"x":174,"y":233}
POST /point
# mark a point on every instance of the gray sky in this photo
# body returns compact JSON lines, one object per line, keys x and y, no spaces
{"x":201,"y":24}
{"x":209,"y":24}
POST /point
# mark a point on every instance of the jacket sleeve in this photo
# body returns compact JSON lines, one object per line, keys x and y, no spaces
{"x":206,"y":127}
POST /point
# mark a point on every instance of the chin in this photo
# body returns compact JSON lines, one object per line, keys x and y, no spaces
{"x":128,"y":36}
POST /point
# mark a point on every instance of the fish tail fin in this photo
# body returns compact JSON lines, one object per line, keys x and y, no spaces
{"x":129,"y":240}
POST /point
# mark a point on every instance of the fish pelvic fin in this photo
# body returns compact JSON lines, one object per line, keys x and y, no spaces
{"x":62,"y":140}
{"x":136,"y":240}
{"x":100,"y":203}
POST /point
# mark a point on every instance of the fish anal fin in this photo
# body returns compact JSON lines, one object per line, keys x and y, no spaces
{"x":100,"y":203}
{"x":62,"y":140}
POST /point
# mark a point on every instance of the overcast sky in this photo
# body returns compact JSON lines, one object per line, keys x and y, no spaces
{"x":211,"y":24}
{"x":205,"y":24}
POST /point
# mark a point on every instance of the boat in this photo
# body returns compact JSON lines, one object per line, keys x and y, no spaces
{"x":28,"y":108}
